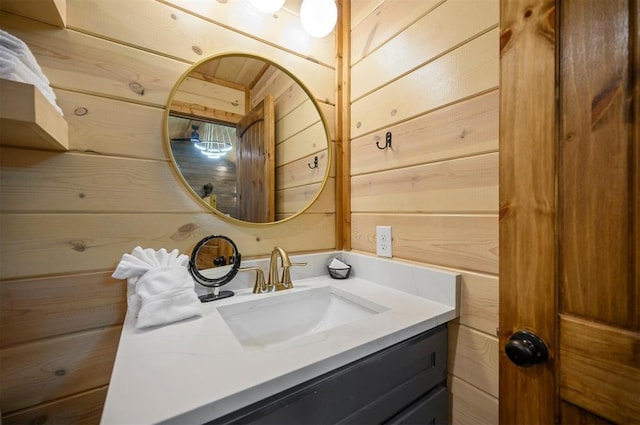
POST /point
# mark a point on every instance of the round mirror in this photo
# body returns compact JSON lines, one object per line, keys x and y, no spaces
{"x":247,"y":139}
{"x":214,"y":262}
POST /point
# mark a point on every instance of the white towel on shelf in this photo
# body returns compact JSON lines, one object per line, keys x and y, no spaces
{"x":17,"y":63}
{"x":12,"y":42}
{"x":160,"y":288}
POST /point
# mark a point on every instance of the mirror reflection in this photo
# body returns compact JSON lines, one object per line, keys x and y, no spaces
{"x":247,"y":139}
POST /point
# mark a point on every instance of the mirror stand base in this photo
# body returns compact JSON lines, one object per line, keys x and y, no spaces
{"x":215,"y":296}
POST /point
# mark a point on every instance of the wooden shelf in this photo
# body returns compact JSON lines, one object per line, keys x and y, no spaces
{"x":52,"y":12}
{"x":28,"y":120}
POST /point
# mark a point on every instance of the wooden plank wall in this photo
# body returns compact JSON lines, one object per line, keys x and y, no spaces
{"x":300,"y":137}
{"x":67,"y":218}
{"x":427,"y":71}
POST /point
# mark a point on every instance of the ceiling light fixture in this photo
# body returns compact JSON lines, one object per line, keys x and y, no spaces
{"x":212,"y":144}
{"x":318,"y":17}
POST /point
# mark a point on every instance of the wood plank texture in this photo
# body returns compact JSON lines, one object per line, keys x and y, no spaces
{"x":29,"y":120}
{"x":462,"y":185}
{"x":208,"y":95}
{"x":527,"y":202}
{"x":80,"y":62}
{"x":297,"y":120}
{"x":41,"y":244}
{"x":342,"y":152}
{"x":600,"y":368}
{"x":374,"y":22}
{"x":84,"y":408}
{"x":52,"y":12}
{"x":474,"y":355}
{"x":479,"y":302}
{"x":596,"y":131}
{"x":571,"y":414}
{"x":462,"y":129}
{"x":599,"y":279}
{"x":294,"y":200}
{"x":37,"y":181}
{"x":243,"y":17}
{"x":171,"y":32}
{"x":56,"y":367}
{"x":45,"y":307}
{"x":473,"y":66}
{"x":255,"y":152}
{"x":458,"y":241}
{"x":309,"y":140}
{"x":113,"y":127}
{"x":469,"y":405}
{"x":392,"y":60}
{"x":297,"y":173}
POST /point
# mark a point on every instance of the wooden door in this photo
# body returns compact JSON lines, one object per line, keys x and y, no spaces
{"x":256,"y":163}
{"x":570,"y":209}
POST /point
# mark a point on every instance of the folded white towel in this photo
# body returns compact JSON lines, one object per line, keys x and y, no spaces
{"x":13,"y":69}
{"x":12,"y":42}
{"x":17,"y":63}
{"x":160,"y":290}
{"x":20,"y":49}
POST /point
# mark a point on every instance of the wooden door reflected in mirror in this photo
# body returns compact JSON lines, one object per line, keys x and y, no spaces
{"x":255,"y":172}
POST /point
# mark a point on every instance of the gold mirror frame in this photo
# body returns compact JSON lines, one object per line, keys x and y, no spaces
{"x":174,"y":163}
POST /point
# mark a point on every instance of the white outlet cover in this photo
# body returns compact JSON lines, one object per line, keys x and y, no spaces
{"x":383,"y":241}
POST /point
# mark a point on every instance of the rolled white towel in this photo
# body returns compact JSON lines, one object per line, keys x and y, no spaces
{"x":160,"y":289}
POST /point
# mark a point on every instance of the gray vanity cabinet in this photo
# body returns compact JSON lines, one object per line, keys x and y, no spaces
{"x":402,"y":384}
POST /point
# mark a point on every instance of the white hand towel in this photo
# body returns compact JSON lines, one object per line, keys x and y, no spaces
{"x":17,"y":63}
{"x":167,"y":295}
{"x":12,"y":42}
{"x":160,"y":290}
{"x":20,"y":49}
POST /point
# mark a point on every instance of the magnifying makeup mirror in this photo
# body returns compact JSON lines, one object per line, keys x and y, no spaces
{"x":215,"y":260}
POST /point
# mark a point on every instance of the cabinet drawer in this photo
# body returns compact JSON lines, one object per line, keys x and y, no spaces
{"x":371,"y":390}
{"x":433,"y":408}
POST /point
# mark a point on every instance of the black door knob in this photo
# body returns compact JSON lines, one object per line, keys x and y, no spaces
{"x":525,"y":349}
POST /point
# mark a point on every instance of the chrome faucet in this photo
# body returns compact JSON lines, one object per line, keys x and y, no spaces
{"x":284,"y":282}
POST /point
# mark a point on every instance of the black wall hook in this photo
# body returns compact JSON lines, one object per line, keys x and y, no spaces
{"x":315,"y":163}
{"x":387,"y":142}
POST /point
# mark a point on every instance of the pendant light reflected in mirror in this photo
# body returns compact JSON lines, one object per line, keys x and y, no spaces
{"x":203,"y":136}
{"x":318,"y":17}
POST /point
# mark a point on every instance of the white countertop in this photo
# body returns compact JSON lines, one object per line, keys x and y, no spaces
{"x":196,"y":370}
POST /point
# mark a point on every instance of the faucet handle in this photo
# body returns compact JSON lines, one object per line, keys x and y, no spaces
{"x":259,"y":285}
{"x":285,"y":282}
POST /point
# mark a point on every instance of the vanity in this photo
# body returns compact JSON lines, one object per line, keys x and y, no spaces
{"x":376,"y":352}
{"x":368,"y":349}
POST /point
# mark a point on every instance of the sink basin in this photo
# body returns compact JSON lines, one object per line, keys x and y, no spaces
{"x":280,"y":318}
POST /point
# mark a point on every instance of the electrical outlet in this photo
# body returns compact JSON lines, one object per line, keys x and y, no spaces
{"x":383,"y":241}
